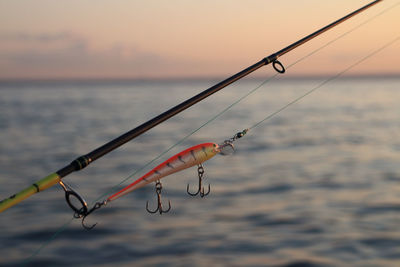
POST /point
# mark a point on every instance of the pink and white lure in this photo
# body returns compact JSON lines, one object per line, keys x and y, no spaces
{"x":187,"y":158}
{"x":192,"y":156}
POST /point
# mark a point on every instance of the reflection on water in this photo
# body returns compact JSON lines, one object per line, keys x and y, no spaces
{"x":316,"y":185}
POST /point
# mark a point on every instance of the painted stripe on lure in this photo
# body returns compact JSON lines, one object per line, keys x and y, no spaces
{"x":192,"y":156}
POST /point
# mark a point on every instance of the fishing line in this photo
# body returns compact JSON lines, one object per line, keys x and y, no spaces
{"x":64,"y":226}
{"x":48,"y":241}
{"x":325,"y":82}
{"x":248,"y":94}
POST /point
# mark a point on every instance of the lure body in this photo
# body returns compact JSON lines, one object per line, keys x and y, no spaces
{"x":192,"y":156}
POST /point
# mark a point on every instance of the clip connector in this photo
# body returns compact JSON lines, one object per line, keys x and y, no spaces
{"x":241,"y":134}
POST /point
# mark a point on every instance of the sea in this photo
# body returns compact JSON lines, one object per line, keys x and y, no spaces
{"x":316,"y":183}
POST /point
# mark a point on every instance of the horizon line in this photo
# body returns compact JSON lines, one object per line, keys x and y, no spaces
{"x":111,"y":79}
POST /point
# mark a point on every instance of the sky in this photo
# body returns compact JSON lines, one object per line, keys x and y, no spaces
{"x":47,"y":39}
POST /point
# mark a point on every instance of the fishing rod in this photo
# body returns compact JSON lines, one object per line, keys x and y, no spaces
{"x":197,"y":155}
{"x":84,"y":160}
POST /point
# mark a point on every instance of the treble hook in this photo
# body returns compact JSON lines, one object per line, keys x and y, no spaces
{"x":96,"y":206}
{"x":159,"y":203}
{"x":200,"y":189}
{"x":83,"y":211}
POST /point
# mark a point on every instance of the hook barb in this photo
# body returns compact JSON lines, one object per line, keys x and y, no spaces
{"x":87,"y":227}
{"x":98,"y":205}
{"x":192,"y":194}
{"x":202,"y":194}
{"x":159,"y":208}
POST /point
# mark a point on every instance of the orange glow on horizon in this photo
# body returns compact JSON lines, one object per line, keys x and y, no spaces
{"x":135,"y":39}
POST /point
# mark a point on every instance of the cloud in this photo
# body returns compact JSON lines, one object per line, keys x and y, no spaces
{"x":64,"y":54}
{"x":30,"y":37}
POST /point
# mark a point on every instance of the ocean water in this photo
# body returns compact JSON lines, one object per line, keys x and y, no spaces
{"x":316,"y":185}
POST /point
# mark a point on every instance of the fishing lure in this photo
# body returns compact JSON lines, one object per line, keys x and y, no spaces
{"x":187,"y":158}
{"x":194,"y":155}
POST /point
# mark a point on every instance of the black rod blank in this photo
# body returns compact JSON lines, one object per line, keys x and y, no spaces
{"x":85,"y":160}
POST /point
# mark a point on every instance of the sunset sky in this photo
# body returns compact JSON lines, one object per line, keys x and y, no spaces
{"x":179,"y":39}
